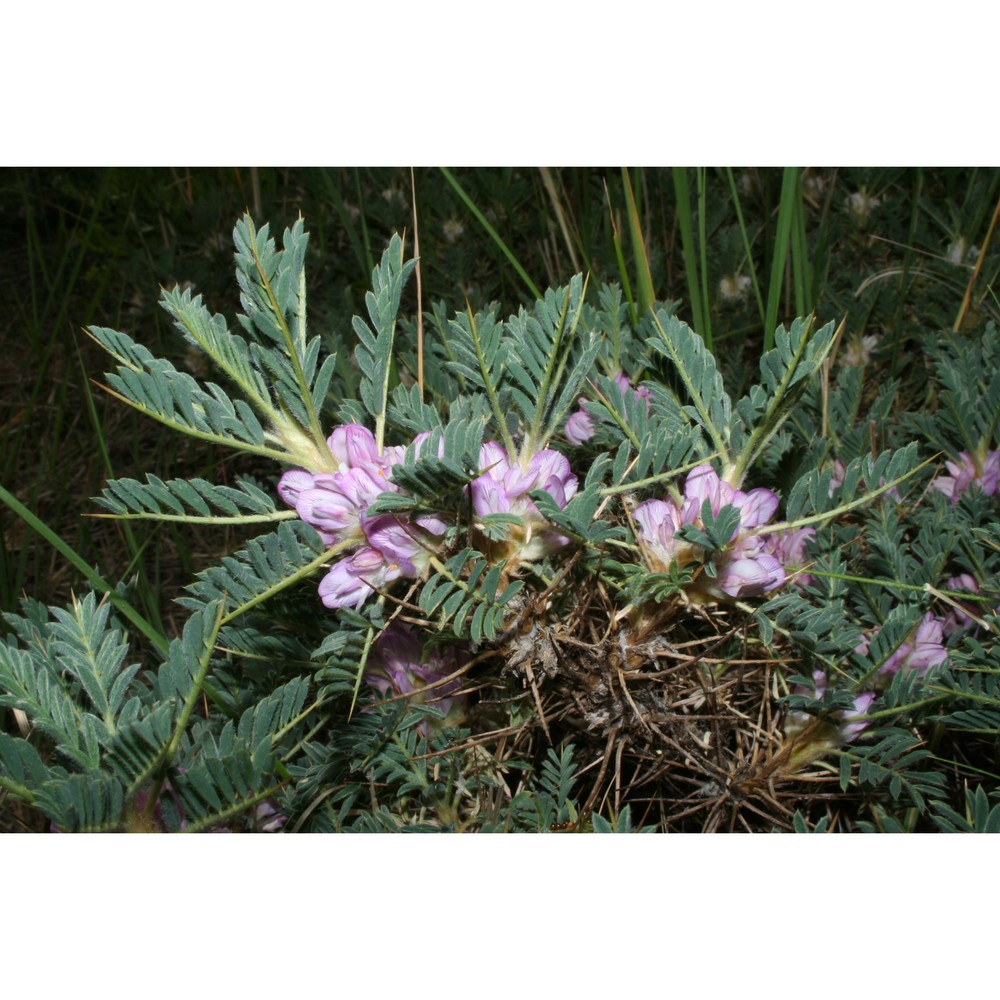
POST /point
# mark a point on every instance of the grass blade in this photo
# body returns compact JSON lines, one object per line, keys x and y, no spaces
{"x":644,"y":279}
{"x":81,"y":564}
{"x":786,"y":215}
{"x":494,"y":235}
{"x":687,"y":245}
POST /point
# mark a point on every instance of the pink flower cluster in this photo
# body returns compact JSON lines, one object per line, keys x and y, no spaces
{"x":748,"y":566}
{"x":968,"y":470}
{"x":580,"y":425}
{"x":922,"y":649}
{"x":400,"y":666}
{"x":336,"y":505}
{"x":504,"y":486}
{"x":388,"y":547}
{"x":852,"y":725}
{"x":789,"y":548}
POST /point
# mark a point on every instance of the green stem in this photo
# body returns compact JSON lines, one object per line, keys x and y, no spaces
{"x":227,"y":442}
{"x":16,"y":788}
{"x":299,"y":574}
{"x":644,"y":278}
{"x":534,"y":438}
{"x":169,"y":751}
{"x":189,"y":702}
{"x":314,"y":425}
{"x":622,"y":271}
{"x":771,"y":421}
{"x":281,"y":733}
{"x":623,"y":425}
{"x":369,"y":639}
{"x":829,"y":515}
{"x":279,"y":515}
{"x":262,"y":404}
{"x":491,"y":392}
{"x":652,"y":480}
{"x":126,"y":609}
{"x":865,"y":579}
{"x":699,"y":403}
{"x":217,"y":819}
{"x":380,"y":416}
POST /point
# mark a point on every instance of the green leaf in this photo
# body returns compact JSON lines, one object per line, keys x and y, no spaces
{"x":696,"y":367}
{"x":83,"y":804}
{"x":374,"y":350}
{"x":786,"y":371}
{"x":266,"y":566}
{"x":21,"y":766}
{"x":173,"y":500}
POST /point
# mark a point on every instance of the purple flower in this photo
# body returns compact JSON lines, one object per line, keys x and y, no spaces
{"x":659,"y":521}
{"x":991,"y":473}
{"x":545,"y":470}
{"x":848,"y":731}
{"x":852,"y":730}
{"x":354,"y":447}
{"x":928,"y":647}
{"x":335,"y":503}
{"x":756,"y":507}
{"x":921,"y":649}
{"x":400,"y":666}
{"x":579,"y":427}
{"x":703,"y":484}
{"x":268,"y":817}
{"x":968,"y":470}
{"x":504,"y":486}
{"x":421,"y":439}
{"x":351,"y":581}
{"x":396,"y":549}
{"x":403,"y":543}
{"x":837,"y":476}
{"x":292,"y":483}
{"x":746,"y":567}
{"x":750,"y":576}
{"x":789,"y":548}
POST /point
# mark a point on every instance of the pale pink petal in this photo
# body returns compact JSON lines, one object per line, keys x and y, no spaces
{"x":579,"y":427}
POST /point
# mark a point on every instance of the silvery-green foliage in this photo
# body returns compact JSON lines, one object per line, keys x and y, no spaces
{"x":375,"y":346}
{"x":118,"y":734}
{"x":188,"y":500}
{"x":260,"y":698}
{"x":967,"y":372}
{"x":981,"y":816}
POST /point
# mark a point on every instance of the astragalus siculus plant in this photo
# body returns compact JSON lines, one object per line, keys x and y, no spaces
{"x":534,"y":573}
